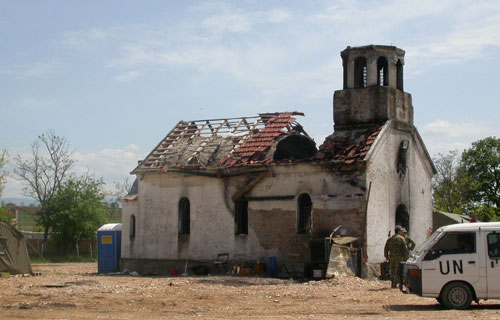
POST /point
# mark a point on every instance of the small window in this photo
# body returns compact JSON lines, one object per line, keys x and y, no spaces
{"x":453,"y":243}
{"x":494,"y":245}
{"x":241,"y":216}
{"x":304,"y":217}
{"x":383,"y":74}
{"x":360,"y":76}
{"x":402,"y":160}
{"x":132,"y":226}
{"x":184,"y":216}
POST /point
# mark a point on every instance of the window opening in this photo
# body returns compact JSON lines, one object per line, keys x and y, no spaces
{"x":184,"y":216}
{"x":132,"y":226}
{"x":241,"y":216}
{"x":402,"y":162}
{"x":305,"y":208}
{"x":399,"y":75}
{"x":403,"y":217}
{"x":383,"y":75}
{"x":494,"y":245}
{"x":453,"y":243}
{"x":360,"y":73}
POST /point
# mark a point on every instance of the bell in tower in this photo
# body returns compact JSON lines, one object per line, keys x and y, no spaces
{"x":373,"y":87}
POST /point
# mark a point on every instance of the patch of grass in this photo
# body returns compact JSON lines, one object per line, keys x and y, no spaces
{"x":63,"y":259}
{"x":27,"y":222}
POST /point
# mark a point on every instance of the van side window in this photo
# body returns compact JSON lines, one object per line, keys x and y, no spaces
{"x":494,"y":245}
{"x":453,"y":243}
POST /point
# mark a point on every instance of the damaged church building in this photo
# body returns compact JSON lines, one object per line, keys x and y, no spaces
{"x":260,"y":187}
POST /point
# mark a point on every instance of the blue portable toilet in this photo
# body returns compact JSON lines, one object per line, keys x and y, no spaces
{"x":109,"y":244}
{"x":272,"y":267}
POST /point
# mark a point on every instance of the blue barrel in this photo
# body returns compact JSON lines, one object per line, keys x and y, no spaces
{"x":272,"y":267}
{"x":109,"y":238}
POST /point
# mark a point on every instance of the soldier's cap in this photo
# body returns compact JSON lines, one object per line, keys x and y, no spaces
{"x":397,"y":229}
{"x":403,"y":230}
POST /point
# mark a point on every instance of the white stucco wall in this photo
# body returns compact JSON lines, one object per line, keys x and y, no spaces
{"x":337,"y":199}
{"x":388,"y":190}
{"x":212,"y":221}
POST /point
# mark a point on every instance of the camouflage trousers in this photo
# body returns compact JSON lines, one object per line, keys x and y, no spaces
{"x":393,"y":268}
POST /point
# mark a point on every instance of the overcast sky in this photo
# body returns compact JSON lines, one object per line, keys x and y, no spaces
{"x":114,"y":77}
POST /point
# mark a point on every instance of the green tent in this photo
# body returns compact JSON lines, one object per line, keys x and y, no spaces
{"x":13,"y":252}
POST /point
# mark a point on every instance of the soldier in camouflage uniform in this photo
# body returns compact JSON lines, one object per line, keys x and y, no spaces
{"x":395,"y":251}
{"x":409,"y":242}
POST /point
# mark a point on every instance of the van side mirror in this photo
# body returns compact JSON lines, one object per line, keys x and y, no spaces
{"x":432,"y":254}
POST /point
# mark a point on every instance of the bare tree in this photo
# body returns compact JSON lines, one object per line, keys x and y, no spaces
{"x":121,"y":189}
{"x":44,"y":172}
{"x":3,"y":174}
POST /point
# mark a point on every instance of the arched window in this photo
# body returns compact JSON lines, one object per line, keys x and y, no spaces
{"x":184,"y":219}
{"x":241,"y":216}
{"x":383,"y":72}
{"x":402,"y":162}
{"x":304,"y":216}
{"x":403,"y":217}
{"x":399,"y":75}
{"x":132,"y":226}
{"x":360,"y":80}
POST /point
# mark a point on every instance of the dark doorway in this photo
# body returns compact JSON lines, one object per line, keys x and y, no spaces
{"x":403,"y":217}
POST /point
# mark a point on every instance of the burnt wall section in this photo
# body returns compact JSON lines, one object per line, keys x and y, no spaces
{"x":390,"y":189}
{"x":337,"y":198}
{"x":369,"y":105}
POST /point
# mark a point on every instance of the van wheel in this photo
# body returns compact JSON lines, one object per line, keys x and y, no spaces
{"x":456,"y":295}
{"x":439,"y":300}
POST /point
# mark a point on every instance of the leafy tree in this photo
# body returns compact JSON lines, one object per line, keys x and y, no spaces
{"x":44,"y":173}
{"x":448,"y":183}
{"x":5,"y":215}
{"x":78,"y":209}
{"x":481,"y":165}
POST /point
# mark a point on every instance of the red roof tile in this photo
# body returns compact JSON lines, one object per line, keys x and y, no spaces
{"x":348,"y":145}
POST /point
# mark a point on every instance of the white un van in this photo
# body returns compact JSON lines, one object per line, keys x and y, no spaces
{"x":457,"y":264}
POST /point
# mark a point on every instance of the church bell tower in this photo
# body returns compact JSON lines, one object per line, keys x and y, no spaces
{"x":373,"y":87}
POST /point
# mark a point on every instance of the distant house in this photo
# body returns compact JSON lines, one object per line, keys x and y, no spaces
{"x":259,"y":186}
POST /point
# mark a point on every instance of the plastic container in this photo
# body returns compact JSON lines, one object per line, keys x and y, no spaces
{"x":272,"y":267}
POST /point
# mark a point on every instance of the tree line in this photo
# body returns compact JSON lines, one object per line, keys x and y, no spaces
{"x":71,"y":207}
{"x":469,"y":183}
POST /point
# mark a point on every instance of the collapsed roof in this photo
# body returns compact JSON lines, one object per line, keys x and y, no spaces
{"x":233,"y":142}
{"x":349,"y":144}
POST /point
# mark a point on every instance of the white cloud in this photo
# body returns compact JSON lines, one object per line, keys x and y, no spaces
{"x":233,"y":22}
{"x":128,"y":76}
{"x":37,"y":104}
{"x":279,"y":15}
{"x":113,"y":165}
{"x":442,"y":136}
{"x":455,"y":130}
{"x":81,"y":38}
{"x":13,"y":188}
{"x":36,"y":70}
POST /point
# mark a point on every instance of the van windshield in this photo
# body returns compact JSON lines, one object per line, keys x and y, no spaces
{"x":419,"y":249}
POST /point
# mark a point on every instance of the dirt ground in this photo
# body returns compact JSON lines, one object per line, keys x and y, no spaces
{"x":77,"y":291}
